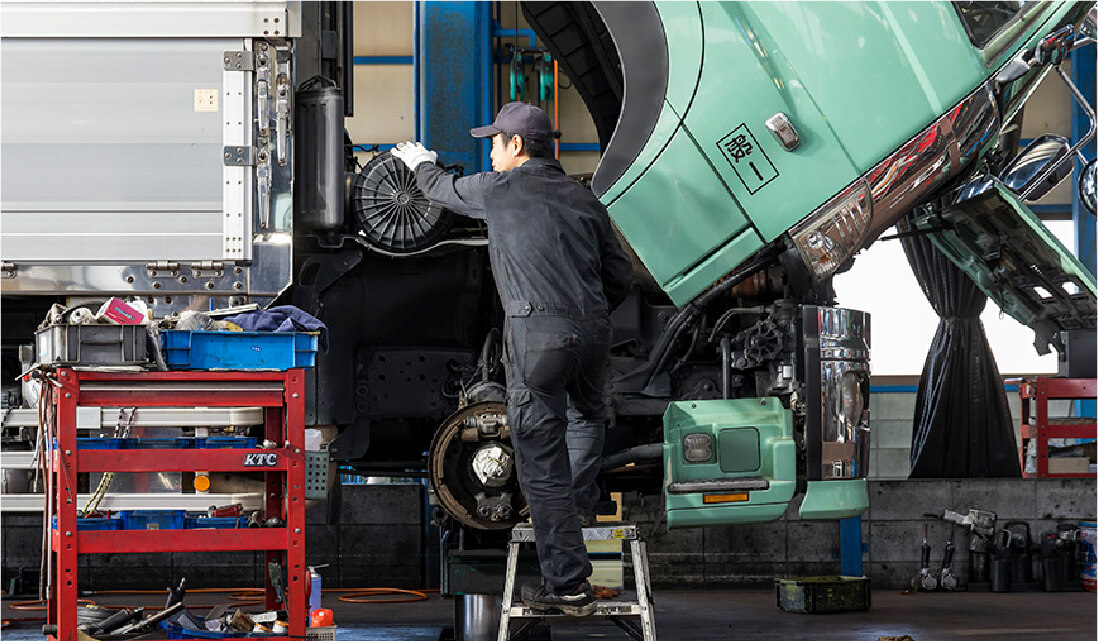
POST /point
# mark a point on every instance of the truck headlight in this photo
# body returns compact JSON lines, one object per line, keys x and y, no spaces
{"x":831,"y":235}
{"x":697,"y":448}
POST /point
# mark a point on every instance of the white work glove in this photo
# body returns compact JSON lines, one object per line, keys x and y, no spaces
{"x":413,"y":153}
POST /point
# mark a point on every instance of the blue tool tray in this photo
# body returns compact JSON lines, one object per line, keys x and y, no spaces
{"x":83,"y":443}
{"x":238,"y":350}
{"x":158,"y":443}
{"x":217,"y":523}
{"x":153,"y":519}
{"x":226,"y":442}
{"x":95,"y":523}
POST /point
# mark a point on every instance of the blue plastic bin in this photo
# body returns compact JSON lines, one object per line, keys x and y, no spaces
{"x":153,"y":519}
{"x":97,"y":523}
{"x":83,"y":443}
{"x":238,"y":350}
{"x":227,"y":442}
{"x":158,"y":443}
{"x":217,"y":523}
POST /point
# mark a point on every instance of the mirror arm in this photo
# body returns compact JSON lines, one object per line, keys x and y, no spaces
{"x":1089,"y":111}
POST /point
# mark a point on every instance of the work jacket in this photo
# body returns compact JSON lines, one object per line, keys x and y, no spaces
{"x":552,"y":247}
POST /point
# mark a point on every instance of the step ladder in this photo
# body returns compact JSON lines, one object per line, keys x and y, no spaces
{"x":636,"y":618}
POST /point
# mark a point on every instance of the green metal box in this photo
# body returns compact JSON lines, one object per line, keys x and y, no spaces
{"x":823,"y":594}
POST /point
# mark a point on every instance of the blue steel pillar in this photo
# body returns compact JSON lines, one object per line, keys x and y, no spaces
{"x":850,"y":546}
{"x":453,"y":61}
{"x":1080,"y":360}
{"x":1082,"y":74}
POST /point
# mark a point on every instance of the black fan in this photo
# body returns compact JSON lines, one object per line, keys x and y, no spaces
{"x":392,"y":213}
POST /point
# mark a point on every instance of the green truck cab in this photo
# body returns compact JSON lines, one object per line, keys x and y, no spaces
{"x":751,"y":149}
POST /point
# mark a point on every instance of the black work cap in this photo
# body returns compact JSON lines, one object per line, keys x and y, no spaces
{"x":520,"y":118}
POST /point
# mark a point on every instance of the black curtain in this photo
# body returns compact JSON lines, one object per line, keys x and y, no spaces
{"x":963,"y":427}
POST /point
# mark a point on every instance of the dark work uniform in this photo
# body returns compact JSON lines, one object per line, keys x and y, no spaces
{"x":559,"y":270}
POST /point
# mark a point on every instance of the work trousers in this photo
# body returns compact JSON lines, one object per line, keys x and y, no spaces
{"x":557,"y":411}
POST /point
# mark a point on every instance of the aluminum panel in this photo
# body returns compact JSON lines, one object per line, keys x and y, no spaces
{"x":93,"y":129}
{"x":166,"y":18}
{"x":113,"y":239}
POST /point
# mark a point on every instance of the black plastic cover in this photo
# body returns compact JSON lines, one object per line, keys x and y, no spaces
{"x":318,"y":137}
{"x":391,"y":211}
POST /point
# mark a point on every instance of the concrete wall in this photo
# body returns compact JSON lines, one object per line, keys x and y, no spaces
{"x":378,"y":539}
{"x":892,"y":529}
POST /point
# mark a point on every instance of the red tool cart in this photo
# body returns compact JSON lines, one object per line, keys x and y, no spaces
{"x":1036,"y":424}
{"x":280,"y":394}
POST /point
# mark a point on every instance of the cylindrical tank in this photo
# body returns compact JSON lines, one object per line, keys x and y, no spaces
{"x":318,"y":139}
{"x":478,"y":616}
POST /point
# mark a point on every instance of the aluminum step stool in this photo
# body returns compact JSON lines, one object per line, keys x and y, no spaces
{"x":636,"y":618}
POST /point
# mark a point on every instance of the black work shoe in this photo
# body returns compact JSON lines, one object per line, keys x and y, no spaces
{"x":578,"y":603}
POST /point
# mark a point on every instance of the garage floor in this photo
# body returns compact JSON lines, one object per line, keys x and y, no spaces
{"x":750,"y":615}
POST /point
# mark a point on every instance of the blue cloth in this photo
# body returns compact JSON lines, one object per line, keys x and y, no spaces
{"x":284,"y":318}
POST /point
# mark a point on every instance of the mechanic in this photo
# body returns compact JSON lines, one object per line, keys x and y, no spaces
{"x":560,"y":270}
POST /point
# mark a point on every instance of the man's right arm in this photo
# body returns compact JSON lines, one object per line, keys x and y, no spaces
{"x":466,"y":196}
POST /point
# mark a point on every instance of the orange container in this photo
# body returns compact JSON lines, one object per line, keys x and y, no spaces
{"x":321,"y":618}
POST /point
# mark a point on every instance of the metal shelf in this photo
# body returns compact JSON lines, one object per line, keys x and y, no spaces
{"x":280,"y":396}
{"x":1037,"y":426}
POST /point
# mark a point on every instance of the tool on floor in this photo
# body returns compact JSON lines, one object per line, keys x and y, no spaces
{"x":1054,"y":557}
{"x":1021,"y":557}
{"x":175,"y":595}
{"x":981,"y":525}
{"x":1002,"y":566}
{"x":947,"y":580}
{"x":636,"y":618}
{"x":114,"y":621}
{"x":1072,"y":536}
{"x":150,"y":622}
{"x":925,"y":581}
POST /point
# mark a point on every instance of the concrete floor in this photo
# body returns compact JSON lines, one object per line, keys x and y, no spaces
{"x":749,"y":615}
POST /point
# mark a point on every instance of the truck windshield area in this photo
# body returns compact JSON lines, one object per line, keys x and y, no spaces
{"x":983,"y":19}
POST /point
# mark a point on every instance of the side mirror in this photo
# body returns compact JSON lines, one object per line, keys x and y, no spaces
{"x":1039,"y":167}
{"x":1087,"y":180}
{"x":1088,"y":29}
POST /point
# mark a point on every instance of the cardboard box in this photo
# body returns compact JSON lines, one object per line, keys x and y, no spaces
{"x":1069,"y":465}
